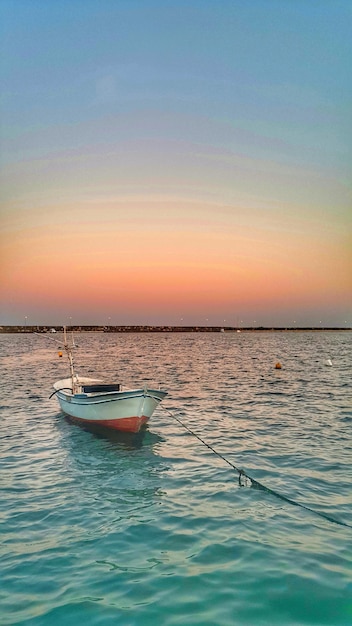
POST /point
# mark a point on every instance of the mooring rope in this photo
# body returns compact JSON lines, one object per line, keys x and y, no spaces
{"x":243,"y":478}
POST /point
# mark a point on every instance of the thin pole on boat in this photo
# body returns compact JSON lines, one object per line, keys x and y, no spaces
{"x":68,"y":350}
{"x":70,"y":360}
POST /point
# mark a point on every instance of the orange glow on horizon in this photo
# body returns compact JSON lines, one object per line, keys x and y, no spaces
{"x":131,"y":266}
{"x":152,"y":282}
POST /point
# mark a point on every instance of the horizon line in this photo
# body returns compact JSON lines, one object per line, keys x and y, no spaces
{"x":17,"y":328}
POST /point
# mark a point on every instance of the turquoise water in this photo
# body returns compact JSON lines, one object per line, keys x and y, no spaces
{"x":155,"y":529}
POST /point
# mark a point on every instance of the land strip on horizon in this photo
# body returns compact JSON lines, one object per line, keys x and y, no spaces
{"x":162,"y":329}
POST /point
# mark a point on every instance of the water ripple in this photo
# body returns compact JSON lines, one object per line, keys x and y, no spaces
{"x":154,"y":528}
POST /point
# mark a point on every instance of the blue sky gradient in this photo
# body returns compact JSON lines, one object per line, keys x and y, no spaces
{"x":201,"y":115}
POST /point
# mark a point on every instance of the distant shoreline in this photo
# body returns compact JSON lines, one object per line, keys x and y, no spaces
{"x":6,"y":329}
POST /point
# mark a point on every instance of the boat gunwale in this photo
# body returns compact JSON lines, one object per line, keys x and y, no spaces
{"x":112,"y":396}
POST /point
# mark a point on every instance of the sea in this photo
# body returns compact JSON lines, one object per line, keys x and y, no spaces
{"x":159,"y":528}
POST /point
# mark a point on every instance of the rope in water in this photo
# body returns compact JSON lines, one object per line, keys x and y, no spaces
{"x":255,"y":483}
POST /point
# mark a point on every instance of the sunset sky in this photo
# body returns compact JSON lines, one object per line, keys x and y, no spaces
{"x":184,"y":162}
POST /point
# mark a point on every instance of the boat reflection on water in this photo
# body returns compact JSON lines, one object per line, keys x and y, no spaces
{"x":122,"y":474}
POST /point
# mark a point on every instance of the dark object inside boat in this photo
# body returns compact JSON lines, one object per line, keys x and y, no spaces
{"x":100,"y":388}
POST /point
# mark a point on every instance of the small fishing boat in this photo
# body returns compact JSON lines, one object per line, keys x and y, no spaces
{"x":92,"y":401}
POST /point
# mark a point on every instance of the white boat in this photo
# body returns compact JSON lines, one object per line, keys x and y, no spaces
{"x":91,"y":401}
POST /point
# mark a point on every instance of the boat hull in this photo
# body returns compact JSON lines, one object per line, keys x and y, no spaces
{"x":124,"y":424}
{"x":126,"y":411}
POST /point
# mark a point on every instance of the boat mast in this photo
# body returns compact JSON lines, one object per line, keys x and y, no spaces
{"x":70,"y":360}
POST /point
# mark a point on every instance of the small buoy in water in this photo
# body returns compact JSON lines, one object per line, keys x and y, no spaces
{"x":278,"y":366}
{"x":328,"y":362}
{"x":60,"y":353}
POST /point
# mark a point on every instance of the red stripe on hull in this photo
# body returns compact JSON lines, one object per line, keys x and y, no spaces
{"x":125,"y":424}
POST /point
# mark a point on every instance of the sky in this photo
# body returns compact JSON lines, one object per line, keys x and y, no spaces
{"x":181,"y":162}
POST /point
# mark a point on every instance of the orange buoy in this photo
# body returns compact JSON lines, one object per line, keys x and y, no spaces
{"x":60,"y":353}
{"x":278,"y":366}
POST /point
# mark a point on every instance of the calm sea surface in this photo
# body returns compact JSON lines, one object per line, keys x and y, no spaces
{"x":155,"y":529}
